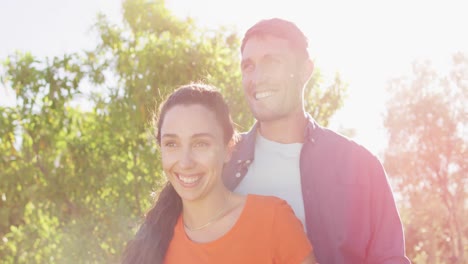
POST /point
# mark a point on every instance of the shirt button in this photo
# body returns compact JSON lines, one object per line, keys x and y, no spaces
{"x":238,"y":175}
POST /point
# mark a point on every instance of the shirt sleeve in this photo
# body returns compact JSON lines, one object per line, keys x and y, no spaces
{"x":387,"y":243}
{"x":291,"y":244}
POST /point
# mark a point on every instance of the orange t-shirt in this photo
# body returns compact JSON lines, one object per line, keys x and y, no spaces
{"x":267,"y":231}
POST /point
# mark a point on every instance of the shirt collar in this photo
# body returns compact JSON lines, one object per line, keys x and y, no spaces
{"x":247,"y":145}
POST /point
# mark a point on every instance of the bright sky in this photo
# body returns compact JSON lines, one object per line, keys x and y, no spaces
{"x":367,"y":42}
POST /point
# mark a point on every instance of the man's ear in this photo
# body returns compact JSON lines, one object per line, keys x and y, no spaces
{"x":230,"y":149}
{"x":307,"y":70}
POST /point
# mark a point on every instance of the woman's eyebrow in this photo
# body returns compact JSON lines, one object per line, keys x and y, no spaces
{"x":203,"y":135}
{"x":197,"y":135}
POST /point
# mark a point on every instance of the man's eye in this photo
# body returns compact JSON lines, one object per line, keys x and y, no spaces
{"x":247,"y":67}
{"x":272,"y":62}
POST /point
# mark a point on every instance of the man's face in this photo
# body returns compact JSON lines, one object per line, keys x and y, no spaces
{"x":271,"y":78}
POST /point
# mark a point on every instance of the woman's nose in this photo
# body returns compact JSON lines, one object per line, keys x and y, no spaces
{"x":186,"y":159}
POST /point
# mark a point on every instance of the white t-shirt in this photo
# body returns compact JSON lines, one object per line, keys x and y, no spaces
{"x":275,"y":171}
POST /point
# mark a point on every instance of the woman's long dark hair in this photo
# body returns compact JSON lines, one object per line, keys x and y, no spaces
{"x":152,"y":239}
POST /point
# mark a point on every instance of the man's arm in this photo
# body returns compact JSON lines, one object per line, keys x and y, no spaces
{"x":387,"y":243}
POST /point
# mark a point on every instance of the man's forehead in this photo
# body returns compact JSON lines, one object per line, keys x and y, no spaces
{"x":265,"y":45}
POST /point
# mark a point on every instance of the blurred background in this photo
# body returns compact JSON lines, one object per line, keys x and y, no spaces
{"x":79,"y":81}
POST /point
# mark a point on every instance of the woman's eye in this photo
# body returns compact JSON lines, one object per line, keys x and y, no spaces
{"x":170,"y":144}
{"x":201,"y":144}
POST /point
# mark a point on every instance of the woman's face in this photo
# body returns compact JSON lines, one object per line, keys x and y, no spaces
{"x":193,"y":150}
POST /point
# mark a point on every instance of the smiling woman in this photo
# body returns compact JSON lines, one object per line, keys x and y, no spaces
{"x":193,"y":152}
{"x":196,"y":219}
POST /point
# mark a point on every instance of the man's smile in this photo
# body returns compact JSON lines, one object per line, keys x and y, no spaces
{"x":263,"y":94}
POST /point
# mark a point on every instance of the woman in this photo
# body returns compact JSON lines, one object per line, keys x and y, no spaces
{"x":196,"y":219}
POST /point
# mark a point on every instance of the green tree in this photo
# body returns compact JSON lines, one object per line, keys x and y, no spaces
{"x":77,"y":178}
{"x":426,"y":121}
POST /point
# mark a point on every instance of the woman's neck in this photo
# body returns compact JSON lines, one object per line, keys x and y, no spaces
{"x":201,"y":213}
{"x":210,"y":231}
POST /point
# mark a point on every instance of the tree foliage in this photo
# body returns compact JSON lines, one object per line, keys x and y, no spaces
{"x":427,"y":125}
{"x":78,"y":162}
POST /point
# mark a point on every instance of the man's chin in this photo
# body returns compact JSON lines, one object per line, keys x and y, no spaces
{"x":265,"y":117}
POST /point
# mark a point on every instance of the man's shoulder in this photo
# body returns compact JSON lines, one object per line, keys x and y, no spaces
{"x":330,"y":136}
{"x":330,"y":142}
{"x":245,"y":135}
{"x":245,"y":142}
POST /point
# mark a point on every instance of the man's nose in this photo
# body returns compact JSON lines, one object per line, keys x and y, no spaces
{"x":259,"y":75}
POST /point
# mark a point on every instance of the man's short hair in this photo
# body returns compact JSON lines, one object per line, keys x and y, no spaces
{"x":283,"y":29}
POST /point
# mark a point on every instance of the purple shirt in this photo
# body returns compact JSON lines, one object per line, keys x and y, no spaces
{"x":351,"y":216}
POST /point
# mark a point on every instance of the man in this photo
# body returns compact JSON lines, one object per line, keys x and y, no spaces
{"x":336,"y":187}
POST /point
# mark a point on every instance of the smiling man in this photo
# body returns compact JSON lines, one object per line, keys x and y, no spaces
{"x":337,"y":188}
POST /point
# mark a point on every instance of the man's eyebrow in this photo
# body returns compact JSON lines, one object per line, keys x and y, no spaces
{"x":168,"y":135}
{"x":276,"y":55}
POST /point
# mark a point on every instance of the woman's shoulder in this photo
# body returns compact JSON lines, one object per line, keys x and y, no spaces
{"x":266,"y":202}
{"x":274,"y":213}
{"x":265,"y":198}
